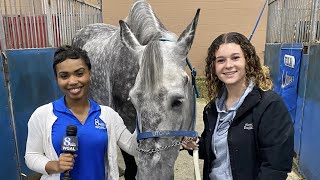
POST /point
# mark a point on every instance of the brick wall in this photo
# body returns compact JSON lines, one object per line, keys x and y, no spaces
{"x":216,"y":17}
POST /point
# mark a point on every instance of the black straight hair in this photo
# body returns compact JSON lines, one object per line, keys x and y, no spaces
{"x":69,"y":52}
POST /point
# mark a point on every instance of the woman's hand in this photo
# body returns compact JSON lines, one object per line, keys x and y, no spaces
{"x":190,"y":144}
{"x":65,"y":162}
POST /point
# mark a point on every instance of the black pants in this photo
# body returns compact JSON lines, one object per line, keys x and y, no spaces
{"x":131,"y":166}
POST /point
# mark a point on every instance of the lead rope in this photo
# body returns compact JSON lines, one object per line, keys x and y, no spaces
{"x":195,"y":152}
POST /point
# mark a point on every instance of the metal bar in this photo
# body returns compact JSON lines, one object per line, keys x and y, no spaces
{"x":34,"y":24}
{"x":87,"y":14}
{"x":81,"y":16}
{"x":47,"y":7}
{"x":14,"y":42}
{"x":28,"y":28}
{"x":73,"y":21}
{"x":55,"y":26}
{"x":64,"y":22}
{"x":279,"y":20}
{"x":76,"y":16}
{"x":292,"y":48}
{"x":37,"y":24}
{"x":318,"y":26}
{"x":70,"y":11}
{"x":308,"y":19}
{"x":43,"y":24}
{"x":268,"y":30}
{"x":54,"y":19}
{"x":69,"y":21}
{"x":283,"y":21}
{"x":2,"y":33}
{"x":22,"y":26}
{"x":30,"y":24}
{"x":314,"y":19}
{"x":256,"y":25}
{"x":59,"y":10}
{"x":7,"y":28}
{"x":295,"y":21}
{"x":84,"y":17}
{"x":100,"y":12}
{"x":272,"y":23}
{"x":92,"y":15}
{"x":10,"y":24}
{"x":301,"y":15}
{"x":19,"y":44}
{"x":61,"y":22}
{"x":292,"y":16}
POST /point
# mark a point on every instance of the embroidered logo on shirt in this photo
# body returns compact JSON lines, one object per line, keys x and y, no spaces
{"x":248,"y":126}
{"x":99,"y":125}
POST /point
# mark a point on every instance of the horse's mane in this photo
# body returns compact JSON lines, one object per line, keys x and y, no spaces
{"x":144,"y":23}
{"x":151,"y":66}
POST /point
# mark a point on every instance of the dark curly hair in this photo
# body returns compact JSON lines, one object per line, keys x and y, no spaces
{"x":69,"y":52}
{"x":254,"y":70}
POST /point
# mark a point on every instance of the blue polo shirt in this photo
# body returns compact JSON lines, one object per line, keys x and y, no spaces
{"x":92,"y":140}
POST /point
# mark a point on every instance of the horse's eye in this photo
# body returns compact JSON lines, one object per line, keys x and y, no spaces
{"x":176,"y":103}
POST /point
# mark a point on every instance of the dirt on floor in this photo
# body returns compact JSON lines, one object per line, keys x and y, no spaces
{"x":184,"y":169}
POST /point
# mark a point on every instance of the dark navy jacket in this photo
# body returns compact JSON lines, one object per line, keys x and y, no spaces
{"x":260,"y":138}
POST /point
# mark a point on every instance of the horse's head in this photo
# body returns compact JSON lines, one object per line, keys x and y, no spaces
{"x":162,"y":96}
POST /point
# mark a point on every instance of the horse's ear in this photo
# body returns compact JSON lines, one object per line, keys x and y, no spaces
{"x":186,"y":38}
{"x":127,"y":37}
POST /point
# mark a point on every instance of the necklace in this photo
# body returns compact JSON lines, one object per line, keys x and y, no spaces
{"x":82,"y":116}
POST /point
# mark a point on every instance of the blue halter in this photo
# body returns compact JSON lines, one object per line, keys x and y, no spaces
{"x":171,"y":133}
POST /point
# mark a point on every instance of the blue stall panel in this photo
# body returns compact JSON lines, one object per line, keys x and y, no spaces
{"x":309,"y":162}
{"x":302,"y":85}
{"x":9,"y":166}
{"x":271,"y":59}
{"x":32,"y":84}
{"x":289,"y":75}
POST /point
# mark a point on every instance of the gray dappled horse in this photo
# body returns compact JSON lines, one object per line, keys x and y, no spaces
{"x":139,"y":70}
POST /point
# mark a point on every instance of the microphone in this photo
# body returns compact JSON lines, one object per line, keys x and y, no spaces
{"x":69,"y":145}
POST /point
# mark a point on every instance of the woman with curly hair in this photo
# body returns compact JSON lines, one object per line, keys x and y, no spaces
{"x":248,"y":131}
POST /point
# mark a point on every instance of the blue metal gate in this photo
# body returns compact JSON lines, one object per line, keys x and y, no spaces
{"x":306,"y":117}
{"x":309,"y":144}
{"x":31,"y":84}
{"x":7,"y":140}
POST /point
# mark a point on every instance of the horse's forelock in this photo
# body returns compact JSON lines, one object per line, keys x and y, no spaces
{"x":144,"y":23}
{"x":151,"y":67}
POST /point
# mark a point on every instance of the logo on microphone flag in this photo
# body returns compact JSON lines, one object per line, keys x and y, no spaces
{"x":70,"y":144}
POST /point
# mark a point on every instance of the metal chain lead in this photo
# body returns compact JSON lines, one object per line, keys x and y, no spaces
{"x":161,"y":148}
